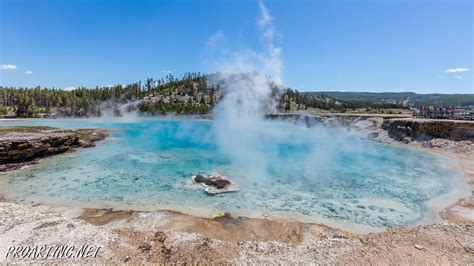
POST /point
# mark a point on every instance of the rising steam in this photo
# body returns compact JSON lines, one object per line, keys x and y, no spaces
{"x":250,"y":85}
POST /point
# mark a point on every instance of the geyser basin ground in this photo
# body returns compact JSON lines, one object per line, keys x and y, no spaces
{"x":315,"y":174}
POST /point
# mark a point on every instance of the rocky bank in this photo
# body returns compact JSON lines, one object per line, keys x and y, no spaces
{"x":427,"y":129}
{"x":24,"y":145}
{"x":399,"y":128}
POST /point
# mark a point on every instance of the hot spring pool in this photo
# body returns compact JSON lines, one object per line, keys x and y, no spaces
{"x":318,"y":174}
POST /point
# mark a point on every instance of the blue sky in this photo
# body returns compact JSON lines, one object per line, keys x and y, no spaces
{"x":393,"y":45}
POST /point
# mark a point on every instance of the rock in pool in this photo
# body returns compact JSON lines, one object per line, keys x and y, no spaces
{"x":215,"y":184}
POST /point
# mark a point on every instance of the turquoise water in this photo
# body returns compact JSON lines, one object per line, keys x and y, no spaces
{"x":315,"y":172}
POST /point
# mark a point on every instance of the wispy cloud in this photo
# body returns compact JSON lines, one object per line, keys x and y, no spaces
{"x":456,"y":70}
{"x":215,"y":38}
{"x":69,"y":88}
{"x":458,"y":77}
{"x":9,"y":67}
{"x":29,"y":72}
{"x":265,"y":21}
{"x":273,"y":61}
{"x":166,"y":72}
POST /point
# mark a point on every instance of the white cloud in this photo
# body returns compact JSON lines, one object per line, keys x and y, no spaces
{"x":69,"y":88}
{"x":215,"y":38}
{"x":458,"y":77}
{"x":29,"y":72}
{"x":8,"y":67}
{"x":272,"y":57}
{"x":456,"y":70}
{"x":265,"y":21}
{"x":166,"y":72}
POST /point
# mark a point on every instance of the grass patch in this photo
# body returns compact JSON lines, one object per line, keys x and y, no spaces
{"x":22,"y":146}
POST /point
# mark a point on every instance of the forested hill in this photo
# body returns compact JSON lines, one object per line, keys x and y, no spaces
{"x":190,"y":94}
{"x":404,"y":98}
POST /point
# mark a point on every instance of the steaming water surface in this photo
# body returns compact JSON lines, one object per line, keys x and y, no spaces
{"x":316,"y":172}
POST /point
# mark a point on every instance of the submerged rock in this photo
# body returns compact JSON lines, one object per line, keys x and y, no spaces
{"x":372,"y":135}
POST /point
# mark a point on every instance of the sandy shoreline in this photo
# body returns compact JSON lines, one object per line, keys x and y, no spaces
{"x":168,"y":237}
{"x":171,"y":237}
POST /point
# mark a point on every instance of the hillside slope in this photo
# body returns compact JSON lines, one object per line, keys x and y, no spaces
{"x":404,"y":98}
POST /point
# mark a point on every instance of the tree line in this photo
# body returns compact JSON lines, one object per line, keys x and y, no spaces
{"x":295,"y":100}
{"x":82,"y":102}
{"x":190,"y":94}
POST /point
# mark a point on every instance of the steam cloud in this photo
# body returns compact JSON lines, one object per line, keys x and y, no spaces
{"x":248,"y":95}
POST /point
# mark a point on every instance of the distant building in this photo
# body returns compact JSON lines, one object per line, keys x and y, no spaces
{"x":440,"y":112}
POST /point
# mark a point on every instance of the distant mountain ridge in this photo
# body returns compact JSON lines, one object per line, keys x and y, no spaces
{"x":410,"y":99}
